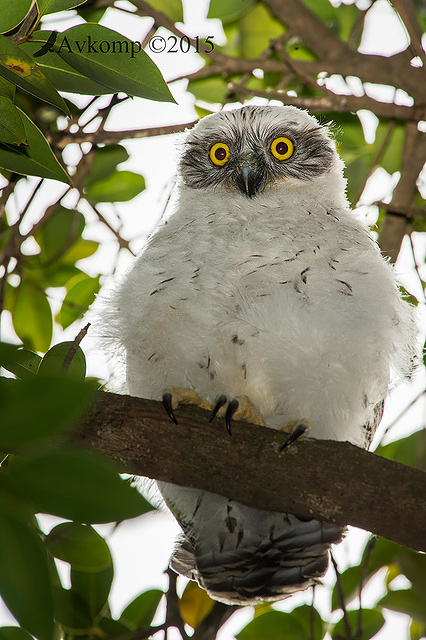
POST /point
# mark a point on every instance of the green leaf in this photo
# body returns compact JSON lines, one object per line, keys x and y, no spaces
{"x":24,"y":577}
{"x":23,"y":363}
{"x":21,"y":69}
{"x":121,"y":186}
{"x":172,"y":8}
{"x":409,"y":450}
{"x":78,"y":299}
{"x":79,"y":545}
{"x":15,"y":13}
{"x":105,"y":161}
{"x":71,"y":612}
{"x":405,"y":601}
{"x":93,"y":587}
{"x":350,"y":580}
{"x":307,"y":615}
{"x":273,"y":624}
{"x":112,"y":628}
{"x":32,"y":316}
{"x":213,"y":89}
{"x":62,"y":75}
{"x":371,"y":622}
{"x":38,"y":408}
{"x":81,"y":249}
{"x":53,"y":361}
{"x":77,"y":486}
{"x":417,"y":630}
{"x":139,"y":613}
{"x":58,"y":233}
{"x":52,"y":6}
{"x":229,"y":10}
{"x":11,"y":128}
{"x":413,"y":566}
{"x":37,"y":159}
{"x":90,"y":559}
{"x":194,"y":604}
{"x":113,"y":60}
{"x":7,"y":89}
{"x":14,"y":633}
{"x":257,"y":28}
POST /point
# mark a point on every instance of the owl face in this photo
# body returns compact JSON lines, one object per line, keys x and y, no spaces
{"x":251,"y":148}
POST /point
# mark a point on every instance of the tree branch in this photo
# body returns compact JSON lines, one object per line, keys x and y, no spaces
{"x":328,"y":480}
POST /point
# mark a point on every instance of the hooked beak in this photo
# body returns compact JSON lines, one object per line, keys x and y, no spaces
{"x":250,"y":182}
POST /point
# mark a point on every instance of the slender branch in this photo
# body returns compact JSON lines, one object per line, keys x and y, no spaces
{"x":329,"y":480}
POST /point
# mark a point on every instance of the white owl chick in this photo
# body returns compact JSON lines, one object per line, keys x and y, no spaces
{"x":263,"y":284}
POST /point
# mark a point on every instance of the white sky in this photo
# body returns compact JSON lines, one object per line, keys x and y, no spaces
{"x":141,"y":547}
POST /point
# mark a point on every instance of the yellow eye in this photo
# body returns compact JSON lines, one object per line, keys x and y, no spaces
{"x":219,"y":154}
{"x":282,"y":148}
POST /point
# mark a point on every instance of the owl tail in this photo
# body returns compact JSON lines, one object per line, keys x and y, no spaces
{"x":245,"y":556}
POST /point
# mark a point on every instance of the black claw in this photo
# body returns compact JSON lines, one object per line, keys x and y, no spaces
{"x":219,"y":404}
{"x":231,"y":409}
{"x":167,"y":402}
{"x":297,"y":432}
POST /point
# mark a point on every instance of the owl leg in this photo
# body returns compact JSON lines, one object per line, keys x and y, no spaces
{"x":295,"y":430}
{"x":174,"y":396}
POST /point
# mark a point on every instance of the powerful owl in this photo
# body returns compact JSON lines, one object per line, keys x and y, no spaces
{"x":264,"y":297}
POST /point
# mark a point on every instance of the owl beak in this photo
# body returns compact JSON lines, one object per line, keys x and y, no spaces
{"x":250,"y":182}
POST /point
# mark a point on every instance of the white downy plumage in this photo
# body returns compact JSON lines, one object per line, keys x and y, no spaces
{"x":271,"y":288}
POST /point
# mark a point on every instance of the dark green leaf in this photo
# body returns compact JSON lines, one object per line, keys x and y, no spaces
{"x":14,"y":633}
{"x":58,"y":71}
{"x":112,"y":628}
{"x":16,"y":12}
{"x":79,"y":545}
{"x":93,"y":587}
{"x":140,"y":612}
{"x":371,"y":622}
{"x":52,"y":6}
{"x":53,"y":361}
{"x":409,"y":450}
{"x":23,"y":363}
{"x":120,"y":186}
{"x":350,"y":580}
{"x":308,"y":617}
{"x":276,"y":625}
{"x":77,"y":486}
{"x":37,"y":408}
{"x":24,"y":577}
{"x":113,"y":60}
{"x":229,"y":10}
{"x":11,"y":128}
{"x":71,"y":611}
{"x":413,"y":566}
{"x":35,"y":160}
{"x":58,"y":233}
{"x":32,"y":316}
{"x":105,"y":161}
{"x":7,"y":89}
{"x":405,"y":601}
{"x":79,"y":297}
{"x":21,"y":69}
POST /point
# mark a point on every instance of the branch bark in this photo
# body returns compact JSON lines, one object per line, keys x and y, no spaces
{"x":328,"y":480}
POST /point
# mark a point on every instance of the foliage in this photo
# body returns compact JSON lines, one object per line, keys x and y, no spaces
{"x":56,"y":92}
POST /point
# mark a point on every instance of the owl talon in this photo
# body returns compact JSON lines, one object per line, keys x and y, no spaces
{"x":167,"y":403}
{"x":230,"y":411}
{"x":220,"y":402}
{"x":298,"y":431}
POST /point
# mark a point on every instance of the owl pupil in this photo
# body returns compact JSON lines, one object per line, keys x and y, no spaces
{"x":282,"y":148}
{"x":220,"y":154}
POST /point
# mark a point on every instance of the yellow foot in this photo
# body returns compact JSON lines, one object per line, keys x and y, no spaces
{"x":174,"y":396}
{"x":239,"y":408}
{"x":295,"y":430}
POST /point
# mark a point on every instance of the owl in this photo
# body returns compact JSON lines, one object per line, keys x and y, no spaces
{"x":262,"y":297}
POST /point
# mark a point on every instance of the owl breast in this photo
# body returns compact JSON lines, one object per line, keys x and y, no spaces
{"x":294,"y":316}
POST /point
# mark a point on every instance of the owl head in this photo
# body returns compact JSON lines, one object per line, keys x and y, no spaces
{"x":251,"y":148}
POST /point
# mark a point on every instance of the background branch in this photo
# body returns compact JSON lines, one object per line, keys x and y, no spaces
{"x":328,"y":480}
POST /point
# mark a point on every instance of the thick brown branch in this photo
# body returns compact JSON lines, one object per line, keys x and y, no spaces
{"x":328,"y":480}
